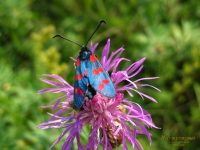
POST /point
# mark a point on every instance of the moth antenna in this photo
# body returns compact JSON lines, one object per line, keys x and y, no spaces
{"x":59,"y":35}
{"x":102,"y":21}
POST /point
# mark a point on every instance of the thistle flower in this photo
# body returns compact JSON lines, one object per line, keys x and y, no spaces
{"x":112,"y":122}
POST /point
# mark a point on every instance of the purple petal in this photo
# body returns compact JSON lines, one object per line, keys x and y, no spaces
{"x":57,"y":77}
{"x":142,"y":94}
{"x":110,"y":61}
{"x":106,"y":50}
{"x":93,"y":48}
{"x":117,"y":63}
{"x":135,"y":65}
{"x":66,"y":130}
{"x":73,"y":59}
{"x":150,"y":78}
{"x":53,"y":90}
{"x":140,"y":85}
{"x":51,"y":82}
{"x":57,"y":102}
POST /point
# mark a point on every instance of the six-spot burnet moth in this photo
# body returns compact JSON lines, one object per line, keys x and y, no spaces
{"x":90,"y":75}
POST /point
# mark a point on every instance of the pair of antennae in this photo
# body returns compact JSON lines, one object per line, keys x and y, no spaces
{"x":59,"y":35}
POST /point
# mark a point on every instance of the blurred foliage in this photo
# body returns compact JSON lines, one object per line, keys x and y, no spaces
{"x":166,"y":32}
{"x":50,"y":57}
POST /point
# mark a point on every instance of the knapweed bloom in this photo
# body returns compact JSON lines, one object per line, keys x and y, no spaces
{"x":112,"y":121}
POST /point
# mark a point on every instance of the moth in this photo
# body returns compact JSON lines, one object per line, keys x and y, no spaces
{"x":90,"y":75}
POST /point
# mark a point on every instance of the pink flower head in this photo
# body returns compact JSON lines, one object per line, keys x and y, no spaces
{"x":113,"y":121}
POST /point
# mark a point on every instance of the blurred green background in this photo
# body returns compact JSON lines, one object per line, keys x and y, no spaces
{"x":166,"y":32}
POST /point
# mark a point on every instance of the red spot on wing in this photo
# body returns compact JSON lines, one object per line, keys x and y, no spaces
{"x":78,"y":62}
{"x":103,"y":83}
{"x":93,"y":58}
{"x":106,"y":81}
{"x":79,"y":91}
{"x":100,"y":69}
{"x":78,"y":77}
{"x":97,"y":71}
{"x":76,"y":90}
{"x":101,"y":86}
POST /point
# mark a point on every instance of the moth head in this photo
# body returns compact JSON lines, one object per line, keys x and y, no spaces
{"x":84,"y":53}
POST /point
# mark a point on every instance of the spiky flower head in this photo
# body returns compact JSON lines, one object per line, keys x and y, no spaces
{"x":112,"y":121}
